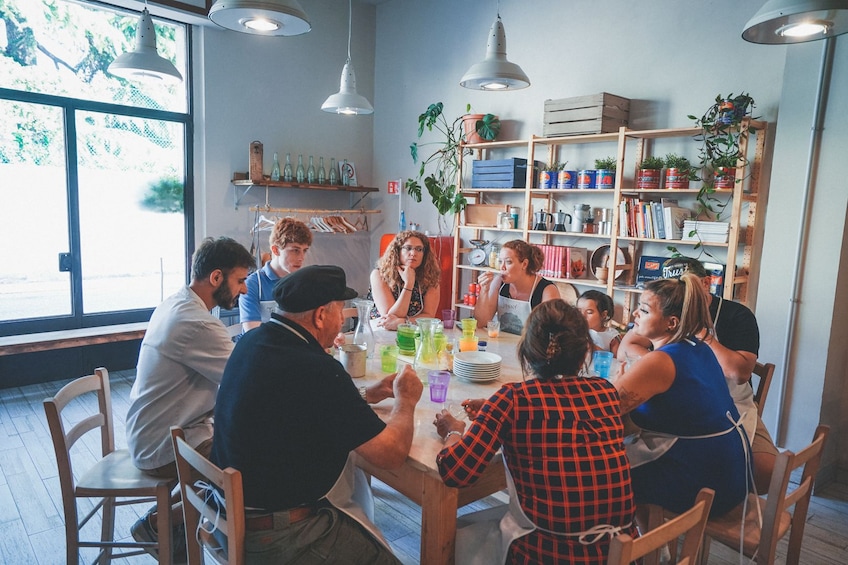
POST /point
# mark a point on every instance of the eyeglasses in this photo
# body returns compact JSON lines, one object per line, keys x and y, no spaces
{"x":410,"y":249}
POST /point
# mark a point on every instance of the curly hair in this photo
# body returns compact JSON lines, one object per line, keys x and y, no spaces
{"x":555,"y":341}
{"x":523,"y":250}
{"x":603,"y":302}
{"x":687,"y":299}
{"x":289,"y":230}
{"x":426,"y":275}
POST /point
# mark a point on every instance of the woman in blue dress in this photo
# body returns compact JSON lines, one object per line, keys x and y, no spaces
{"x":690,"y":433}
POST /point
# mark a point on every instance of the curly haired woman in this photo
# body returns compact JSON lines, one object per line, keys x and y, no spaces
{"x":516,"y":290}
{"x":405,"y":283}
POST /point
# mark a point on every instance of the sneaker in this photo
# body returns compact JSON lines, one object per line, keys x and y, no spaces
{"x":142,"y":531}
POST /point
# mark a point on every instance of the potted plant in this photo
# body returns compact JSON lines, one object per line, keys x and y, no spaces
{"x":480,"y":128}
{"x":439,"y":169}
{"x":678,"y":171}
{"x":548,"y":176}
{"x":720,"y":152}
{"x":648,"y":176}
{"x":605,"y":172}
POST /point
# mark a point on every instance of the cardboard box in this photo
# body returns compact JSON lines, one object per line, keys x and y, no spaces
{"x":483,"y":215}
{"x":501,"y":173}
{"x":594,"y":113}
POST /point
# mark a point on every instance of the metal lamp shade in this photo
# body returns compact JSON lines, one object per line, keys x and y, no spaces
{"x":261,"y":17}
{"x":775,"y":22}
{"x":347,"y":100}
{"x":495,"y":72}
{"x":144,"y":62}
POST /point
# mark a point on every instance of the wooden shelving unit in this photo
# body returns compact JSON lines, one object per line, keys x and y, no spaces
{"x":741,"y":250}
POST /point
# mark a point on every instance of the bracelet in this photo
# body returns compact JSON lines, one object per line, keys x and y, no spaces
{"x":409,"y":289}
{"x":452,"y":432}
{"x":363,"y":392}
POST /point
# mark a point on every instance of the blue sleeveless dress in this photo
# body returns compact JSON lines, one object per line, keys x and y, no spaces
{"x":697,"y":404}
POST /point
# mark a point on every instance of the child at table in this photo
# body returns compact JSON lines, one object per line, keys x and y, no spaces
{"x":598,"y":308}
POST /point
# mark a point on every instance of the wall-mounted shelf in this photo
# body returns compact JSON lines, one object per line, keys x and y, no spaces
{"x":247,"y":184}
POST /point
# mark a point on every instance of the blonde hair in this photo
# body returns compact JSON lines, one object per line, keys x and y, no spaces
{"x":687,"y":299}
{"x":426,"y":275}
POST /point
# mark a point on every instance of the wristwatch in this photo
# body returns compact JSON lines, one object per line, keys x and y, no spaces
{"x":363,"y":392}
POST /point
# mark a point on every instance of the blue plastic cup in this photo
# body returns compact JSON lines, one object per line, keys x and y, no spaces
{"x":601,"y":362}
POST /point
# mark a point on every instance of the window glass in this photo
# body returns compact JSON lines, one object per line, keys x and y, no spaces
{"x":65,"y":48}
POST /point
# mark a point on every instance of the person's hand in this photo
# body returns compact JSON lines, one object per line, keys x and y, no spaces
{"x":407,"y":275}
{"x":485,"y":279}
{"x":472,"y":407}
{"x":339,"y":340}
{"x":381,"y":390}
{"x":445,"y":422}
{"x":407,"y":385}
{"x":390,"y":322}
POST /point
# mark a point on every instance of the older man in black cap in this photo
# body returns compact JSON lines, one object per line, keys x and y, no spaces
{"x":288,"y":417}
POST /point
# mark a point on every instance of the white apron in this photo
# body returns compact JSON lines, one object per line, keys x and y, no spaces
{"x":484,"y":537}
{"x":513,"y":313}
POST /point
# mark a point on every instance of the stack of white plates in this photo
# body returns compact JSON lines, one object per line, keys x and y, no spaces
{"x":479,"y":366}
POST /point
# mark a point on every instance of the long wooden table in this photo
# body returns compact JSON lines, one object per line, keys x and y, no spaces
{"x":418,"y":479}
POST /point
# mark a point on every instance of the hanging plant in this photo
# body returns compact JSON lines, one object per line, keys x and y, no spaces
{"x":720,"y":148}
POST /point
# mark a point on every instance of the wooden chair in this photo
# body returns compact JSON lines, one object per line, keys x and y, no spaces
{"x":111,"y":477}
{"x":193,"y":466}
{"x":765,"y":372}
{"x":624,"y":549}
{"x":777,"y":519}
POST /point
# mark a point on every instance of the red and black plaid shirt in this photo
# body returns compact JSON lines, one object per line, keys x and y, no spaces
{"x":563,"y":442}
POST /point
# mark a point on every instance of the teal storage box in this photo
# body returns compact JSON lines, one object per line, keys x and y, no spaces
{"x":501,"y":173}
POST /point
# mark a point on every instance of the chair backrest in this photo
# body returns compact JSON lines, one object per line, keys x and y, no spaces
{"x":191,"y":467}
{"x":780,"y":499}
{"x":624,"y":549}
{"x":65,"y":438}
{"x":765,"y":371}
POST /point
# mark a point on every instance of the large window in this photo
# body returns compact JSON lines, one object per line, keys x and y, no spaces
{"x":94,"y":169}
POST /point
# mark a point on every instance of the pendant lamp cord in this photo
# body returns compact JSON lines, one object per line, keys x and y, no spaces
{"x":349,"y":24}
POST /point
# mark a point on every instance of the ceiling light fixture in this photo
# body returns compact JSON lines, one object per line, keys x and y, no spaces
{"x":347,"y":100}
{"x":495,"y":72}
{"x":797,"y":21}
{"x":261,"y":17}
{"x":144,"y":62}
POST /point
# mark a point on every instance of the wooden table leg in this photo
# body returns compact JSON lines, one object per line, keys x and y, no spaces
{"x":438,"y":522}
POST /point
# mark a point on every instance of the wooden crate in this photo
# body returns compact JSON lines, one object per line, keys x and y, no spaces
{"x":501,"y":173}
{"x":595,"y":113}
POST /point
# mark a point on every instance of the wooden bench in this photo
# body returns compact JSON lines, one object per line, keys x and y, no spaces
{"x":61,"y":339}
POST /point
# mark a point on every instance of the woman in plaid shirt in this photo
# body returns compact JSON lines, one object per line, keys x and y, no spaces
{"x":562,"y":440}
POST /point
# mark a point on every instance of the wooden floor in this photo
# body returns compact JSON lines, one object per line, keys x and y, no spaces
{"x":31,"y":522}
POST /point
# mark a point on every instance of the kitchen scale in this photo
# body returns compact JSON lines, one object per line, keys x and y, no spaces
{"x":478,"y":256}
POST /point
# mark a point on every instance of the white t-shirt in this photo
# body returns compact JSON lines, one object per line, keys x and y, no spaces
{"x":604,"y":338}
{"x":180,"y":365}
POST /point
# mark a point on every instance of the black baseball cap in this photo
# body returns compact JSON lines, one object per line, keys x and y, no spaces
{"x":311,"y":287}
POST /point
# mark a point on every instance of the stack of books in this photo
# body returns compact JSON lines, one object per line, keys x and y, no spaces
{"x":707,"y":232}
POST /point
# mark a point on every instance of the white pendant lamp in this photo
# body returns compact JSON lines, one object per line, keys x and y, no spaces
{"x":797,"y":21}
{"x":347,"y":100}
{"x":261,"y":17}
{"x":144,"y":62}
{"x":495,"y":72}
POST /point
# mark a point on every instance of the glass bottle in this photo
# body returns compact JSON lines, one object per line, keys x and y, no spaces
{"x":334,"y":173}
{"x":345,"y":178}
{"x":363,"y":334}
{"x":275,"y":172}
{"x":426,"y":356}
{"x":322,"y":174}
{"x":287,"y":170}
{"x":310,"y":172}
{"x":300,"y":174}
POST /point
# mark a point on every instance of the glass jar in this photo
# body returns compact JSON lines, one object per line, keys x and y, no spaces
{"x":494,"y":256}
